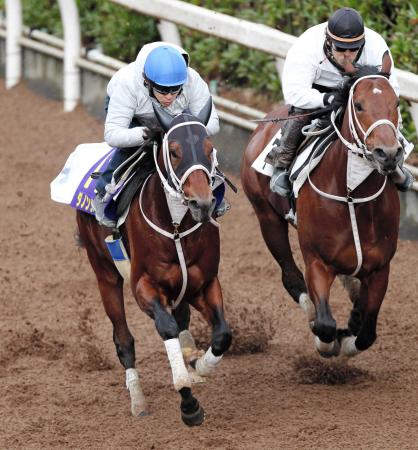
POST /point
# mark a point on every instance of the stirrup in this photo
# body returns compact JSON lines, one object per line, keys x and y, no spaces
{"x":280,"y":182}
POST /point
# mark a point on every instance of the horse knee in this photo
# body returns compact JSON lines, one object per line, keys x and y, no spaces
{"x":165,"y":323}
{"x":221,"y":340}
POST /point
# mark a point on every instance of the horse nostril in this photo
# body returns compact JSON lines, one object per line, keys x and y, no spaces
{"x":193,"y":203}
{"x":399,"y":152}
{"x":380,"y":153}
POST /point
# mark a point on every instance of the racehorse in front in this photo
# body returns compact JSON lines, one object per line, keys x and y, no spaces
{"x":173,"y":244}
{"x":347,"y":232}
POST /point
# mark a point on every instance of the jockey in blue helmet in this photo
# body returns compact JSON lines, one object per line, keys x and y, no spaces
{"x":161,"y":75}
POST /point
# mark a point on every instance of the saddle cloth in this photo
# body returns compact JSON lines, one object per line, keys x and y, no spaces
{"x":74,"y":185}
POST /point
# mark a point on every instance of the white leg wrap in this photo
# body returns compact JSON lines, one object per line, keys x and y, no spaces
{"x":207,"y":363}
{"x":307,"y":305}
{"x":181,"y":377}
{"x":323,"y":346}
{"x":138,"y":402}
{"x":348,"y":346}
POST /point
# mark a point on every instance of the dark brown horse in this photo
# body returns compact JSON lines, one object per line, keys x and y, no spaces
{"x":174,"y":261}
{"x":326,"y":232}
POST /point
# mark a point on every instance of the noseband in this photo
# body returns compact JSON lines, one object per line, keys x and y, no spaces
{"x":175,"y":188}
{"x":361,"y":147}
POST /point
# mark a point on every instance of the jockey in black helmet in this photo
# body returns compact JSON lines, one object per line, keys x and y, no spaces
{"x":313,"y":69}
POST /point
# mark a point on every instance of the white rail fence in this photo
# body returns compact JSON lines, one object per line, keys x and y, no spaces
{"x":249,"y":34}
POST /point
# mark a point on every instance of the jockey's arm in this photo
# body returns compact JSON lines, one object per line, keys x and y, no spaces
{"x":199,"y":94}
{"x":298,"y":76}
{"x":119,"y":116}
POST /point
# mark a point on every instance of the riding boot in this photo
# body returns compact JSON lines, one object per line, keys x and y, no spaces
{"x":281,"y":156}
{"x":222,"y":208}
{"x":99,"y":206}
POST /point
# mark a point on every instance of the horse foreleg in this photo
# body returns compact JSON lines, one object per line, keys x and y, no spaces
{"x":319,"y":278}
{"x":148,"y":299}
{"x":275,"y":234}
{"x":210,"y":305}
{"x":372,"y":293}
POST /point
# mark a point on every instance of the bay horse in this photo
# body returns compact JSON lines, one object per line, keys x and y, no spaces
{"x":341,"y":232}
{"x":174,"y":260}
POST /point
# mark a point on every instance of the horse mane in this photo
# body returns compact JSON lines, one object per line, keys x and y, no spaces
{"x":343,"y":91}
{"x":153,"y":134}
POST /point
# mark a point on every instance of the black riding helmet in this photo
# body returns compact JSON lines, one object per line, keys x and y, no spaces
{"x":344,"y":31}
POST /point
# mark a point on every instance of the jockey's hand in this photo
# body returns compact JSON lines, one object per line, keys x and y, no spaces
{"x":329,"y":98}
{"x":146,"y":133}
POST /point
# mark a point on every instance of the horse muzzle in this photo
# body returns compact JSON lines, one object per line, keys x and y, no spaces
{"x":387,"y":160}
{"x":201,"y":209}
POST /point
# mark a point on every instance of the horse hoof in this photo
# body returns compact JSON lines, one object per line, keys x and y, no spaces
{"x":139,"y":410}
{"x":194,"y":419}
{"x":327,"y":350}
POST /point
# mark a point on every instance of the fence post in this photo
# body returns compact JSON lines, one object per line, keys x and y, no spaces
{"x":13,"y":50}
{"x":169,"y":32}
{"x":72,"y":51}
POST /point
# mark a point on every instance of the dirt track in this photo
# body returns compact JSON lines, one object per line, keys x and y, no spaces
{"x":61,"y":383}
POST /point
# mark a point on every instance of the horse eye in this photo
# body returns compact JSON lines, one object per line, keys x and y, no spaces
{"x":173,"y":154}
{"x":358,"y":106}
{"x":398,"y":103}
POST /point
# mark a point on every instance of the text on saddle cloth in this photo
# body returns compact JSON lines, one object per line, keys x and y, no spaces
{"x":74,"y":185}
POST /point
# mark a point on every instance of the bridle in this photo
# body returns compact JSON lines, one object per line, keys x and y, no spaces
{"x":358,"y":148}
{"x":176,"y":190}
{"x":176,"y":200}
{"x":360,"y":145}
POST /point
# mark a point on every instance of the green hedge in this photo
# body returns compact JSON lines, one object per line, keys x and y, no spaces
{"x":121,"y":33}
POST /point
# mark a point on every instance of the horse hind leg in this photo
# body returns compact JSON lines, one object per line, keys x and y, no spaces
{"x":210,"y":305}
{"x":111,"y":290}
{"x":353,"y":288}
{"x":187,"y":342}
{"x":275,"y":234}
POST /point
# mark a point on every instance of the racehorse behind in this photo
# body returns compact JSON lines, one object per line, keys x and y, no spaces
{"x":341,"y":232}
{"x":174,"y":260}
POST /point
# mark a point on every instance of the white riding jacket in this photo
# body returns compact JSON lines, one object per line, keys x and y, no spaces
{"x":129,"y":98}
{"x":306,"y":64}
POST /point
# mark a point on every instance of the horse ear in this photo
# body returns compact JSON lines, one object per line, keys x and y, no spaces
{"x":206,"y":111}
{"x":164,"y":119}
{"x":386,"y":63}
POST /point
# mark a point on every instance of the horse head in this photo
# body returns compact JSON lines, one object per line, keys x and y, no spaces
{"x":188,"y":159}
{"x":372,"y":119}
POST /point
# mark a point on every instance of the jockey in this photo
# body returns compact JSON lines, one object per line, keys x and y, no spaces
{"x":160,"y":75}
{"x":313,"y":70}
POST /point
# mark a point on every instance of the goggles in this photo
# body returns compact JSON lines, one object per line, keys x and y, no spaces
{"x":166,"y":90}
{"x":343,"y":49}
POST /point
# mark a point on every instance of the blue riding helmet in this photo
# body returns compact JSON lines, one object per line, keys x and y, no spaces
{"x":165,"y":66}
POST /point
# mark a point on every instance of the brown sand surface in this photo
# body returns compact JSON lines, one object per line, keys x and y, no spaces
{"x":62,"y":386}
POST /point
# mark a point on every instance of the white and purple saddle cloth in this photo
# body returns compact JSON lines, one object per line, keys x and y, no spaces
{"x":74,"y":185}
